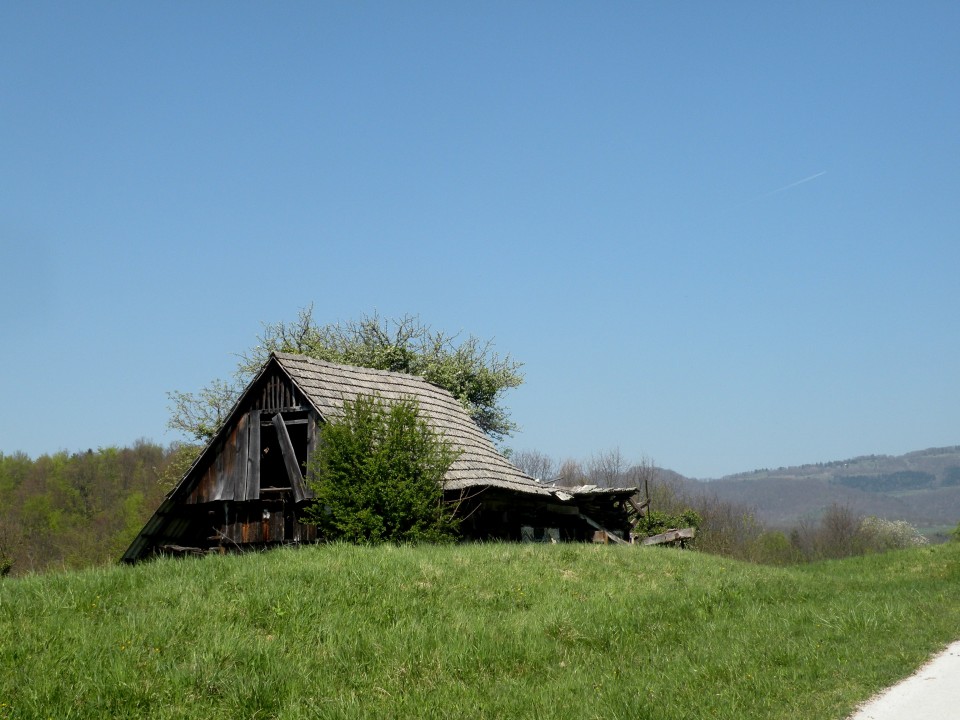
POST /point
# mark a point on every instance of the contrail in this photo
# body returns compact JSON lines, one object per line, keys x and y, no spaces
{"x":782,"y":189}
{"x":794,"y":184}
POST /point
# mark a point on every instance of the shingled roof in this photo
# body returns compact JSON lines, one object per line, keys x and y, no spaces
{"x":234,"y":494}
{"x":327,"y":386}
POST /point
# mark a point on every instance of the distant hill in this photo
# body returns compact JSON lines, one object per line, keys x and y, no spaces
{"x":920,"y":487}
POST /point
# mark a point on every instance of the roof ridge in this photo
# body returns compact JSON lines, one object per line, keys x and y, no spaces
{"x":359,"y":369}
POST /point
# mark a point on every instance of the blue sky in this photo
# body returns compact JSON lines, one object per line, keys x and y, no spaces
{"x":720,"y":235}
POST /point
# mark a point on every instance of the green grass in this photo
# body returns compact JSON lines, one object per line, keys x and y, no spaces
{"x":472,"y":631}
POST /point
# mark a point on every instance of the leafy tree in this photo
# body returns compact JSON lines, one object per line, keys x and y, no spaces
{"x":468,"y":367}
{"x":201,"y":414}
{"x":377,"y":474}
{"x":180,"y":457}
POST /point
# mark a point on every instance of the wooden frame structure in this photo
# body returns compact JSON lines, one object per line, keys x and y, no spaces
{"x":250,"y":485}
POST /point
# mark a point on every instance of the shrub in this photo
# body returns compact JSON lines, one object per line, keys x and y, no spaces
{"x":377,"y":476}
{"x":880,"y":535}
{"x":839,"y":535}
{"x":658,"y":521}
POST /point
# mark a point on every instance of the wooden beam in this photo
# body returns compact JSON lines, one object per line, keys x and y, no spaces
{"x":182,"y":549}
{"x":290,"y":459}
{"x":598,"y":526}
{"x":670,"y":536}
{"x":639,"y":507}
{"x":235,"y":486}
{"x":248,"y":484}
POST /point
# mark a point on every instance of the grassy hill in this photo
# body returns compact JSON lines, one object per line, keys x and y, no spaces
{"x":471,"y":631}
{"x":921,"y":487}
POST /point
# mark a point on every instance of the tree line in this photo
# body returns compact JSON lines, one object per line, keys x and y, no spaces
{"x":724,"y":527}
{"x":71,"y":510}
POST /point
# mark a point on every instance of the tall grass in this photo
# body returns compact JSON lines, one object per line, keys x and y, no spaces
{"x":471,"y":631}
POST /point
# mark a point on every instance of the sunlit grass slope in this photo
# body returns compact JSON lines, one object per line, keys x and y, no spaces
{"x":475,"y":631}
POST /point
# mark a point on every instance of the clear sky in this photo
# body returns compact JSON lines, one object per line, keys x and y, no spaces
{"x":720,"y":235}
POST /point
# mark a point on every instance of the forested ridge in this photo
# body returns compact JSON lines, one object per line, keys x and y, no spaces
{"x":71,"y":510}
{"x":921,"y":487}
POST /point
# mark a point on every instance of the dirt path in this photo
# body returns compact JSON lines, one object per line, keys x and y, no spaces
{"x":932,"y":693}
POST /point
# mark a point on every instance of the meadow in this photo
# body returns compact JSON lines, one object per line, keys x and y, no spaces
{"x":472,"y":631}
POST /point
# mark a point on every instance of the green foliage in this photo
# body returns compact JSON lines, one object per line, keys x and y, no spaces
{"x":548,"y":631}
{"x":200,"y":415}
{"x":658,"y":521}
{"x":377,"y":476}
{"x":80,"y":509}
{"x":468,"y":368}
{"x":724,"y":528}
{"x":180,"y":456}
{"x":774,"y":548}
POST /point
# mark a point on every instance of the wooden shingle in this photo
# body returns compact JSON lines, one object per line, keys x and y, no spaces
{"x":327,"y":386}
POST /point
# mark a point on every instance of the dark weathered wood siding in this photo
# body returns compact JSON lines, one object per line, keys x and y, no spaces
{"x":256,"y":523}
{"x":251,"y":486}
{"x":233,"y":470}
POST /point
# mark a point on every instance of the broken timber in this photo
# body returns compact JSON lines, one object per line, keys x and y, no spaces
{"x":671,"y":536}
{"x":290,"y":460}
{"x":600,"y":528}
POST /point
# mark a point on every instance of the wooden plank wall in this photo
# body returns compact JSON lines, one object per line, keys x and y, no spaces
{"x":256,"y":523}
{"x":233,"y":473}
{"x":278,"y":392}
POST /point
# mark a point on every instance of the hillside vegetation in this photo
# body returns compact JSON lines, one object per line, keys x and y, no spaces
{"x":73,"y":510}
{"x":471,"y":631}
{"x":921,"y":487}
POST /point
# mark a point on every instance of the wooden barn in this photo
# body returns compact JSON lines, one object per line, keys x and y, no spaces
{"x":248,"y":487}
